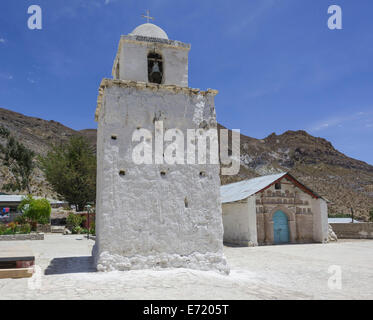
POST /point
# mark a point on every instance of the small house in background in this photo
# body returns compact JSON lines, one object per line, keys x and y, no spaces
{"x":10,"y":203}
{"x":273,"y":209}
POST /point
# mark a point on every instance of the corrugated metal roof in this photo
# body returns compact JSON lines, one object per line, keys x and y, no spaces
{"x":18,"y":198}
{"x":11,"y":198}
{"x":243,"y":189}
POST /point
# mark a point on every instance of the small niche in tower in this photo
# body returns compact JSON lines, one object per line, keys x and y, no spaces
{"x":114,"y":137}
{"x":155,"y":68}
{"x":186,"y":202}
{"x":122,"y":172}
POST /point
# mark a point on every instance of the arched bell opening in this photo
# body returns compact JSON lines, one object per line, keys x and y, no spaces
{"x":155,"y":68}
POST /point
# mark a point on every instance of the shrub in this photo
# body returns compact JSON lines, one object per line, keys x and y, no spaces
{"x":9,"y":228}
{"x":92,"y":230}
{"x":8,"y":231}
{"x":2,"y":228}
{"x":74,"y":221}
{"x":21,"y":219}
{"x":35,"y":210}
{"x":25,"y":228}
{"x":41,"y":209}
{"x":77,"y":230}
{"x":24,"y":206}
{"x":13,"y":228}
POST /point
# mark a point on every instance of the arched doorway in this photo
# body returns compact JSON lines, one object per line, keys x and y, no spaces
{"x":280,"y":227}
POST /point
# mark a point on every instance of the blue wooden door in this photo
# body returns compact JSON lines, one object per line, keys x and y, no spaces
{"x":280,"y":227}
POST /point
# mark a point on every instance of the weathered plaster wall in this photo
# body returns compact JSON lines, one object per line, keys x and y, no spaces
{"x":353,"y":230}
{"x":239,"y":220}
{"x":320,"y":220}
{"x":175,"y":66}
{"x":260,"y":224}
{"x":304,"y":228}
{"x":133,"y":63}
{"x":142,"y":218}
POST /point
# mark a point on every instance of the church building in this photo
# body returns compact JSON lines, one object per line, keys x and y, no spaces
{"x":273,"y":209}
{"x":154,"y":214}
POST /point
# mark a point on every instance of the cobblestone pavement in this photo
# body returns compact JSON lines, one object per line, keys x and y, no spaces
{"x":271,"y":272}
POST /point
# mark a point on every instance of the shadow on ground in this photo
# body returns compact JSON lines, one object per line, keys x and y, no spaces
{"x":70,"y":265}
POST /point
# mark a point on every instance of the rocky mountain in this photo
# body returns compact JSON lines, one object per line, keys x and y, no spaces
{"x":345,"y":182}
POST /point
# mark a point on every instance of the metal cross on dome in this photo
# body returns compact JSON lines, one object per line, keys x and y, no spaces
{"x":147,"y":16}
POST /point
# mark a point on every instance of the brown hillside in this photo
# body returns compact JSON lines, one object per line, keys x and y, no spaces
{"x":38,"y":135}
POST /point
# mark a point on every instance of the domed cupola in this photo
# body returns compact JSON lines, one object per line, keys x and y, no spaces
{"x":149,"y":30}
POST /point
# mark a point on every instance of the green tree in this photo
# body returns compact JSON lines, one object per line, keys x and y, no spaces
{"x":20,"y":162}
{"x":71,"y":170}
{"x":35,"y":210}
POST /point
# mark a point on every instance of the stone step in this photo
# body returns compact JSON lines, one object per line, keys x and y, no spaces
{"x":57,"y":229}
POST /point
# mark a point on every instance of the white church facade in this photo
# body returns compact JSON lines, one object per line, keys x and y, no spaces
{"x":274,"y":209}
{"x":154,"y":215}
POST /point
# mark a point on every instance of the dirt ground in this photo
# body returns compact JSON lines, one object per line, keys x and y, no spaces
{"x":308,"y":271}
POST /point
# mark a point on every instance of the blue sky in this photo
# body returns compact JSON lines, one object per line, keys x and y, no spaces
{"x":276,"y":64}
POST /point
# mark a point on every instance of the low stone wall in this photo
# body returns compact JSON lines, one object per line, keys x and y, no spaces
{"x":353,"y":230}
{"x":29,"y":236}
{"x":46,"y":228}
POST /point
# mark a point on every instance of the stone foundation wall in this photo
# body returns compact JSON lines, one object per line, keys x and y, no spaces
{"x":29,"y":236}
{"x":353,"y":230}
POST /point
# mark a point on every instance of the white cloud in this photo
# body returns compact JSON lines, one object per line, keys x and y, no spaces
{"x":357,"y":119}
{"x":251,"y":17}
{"x":2,"y":40}
{"x":6,"y":76}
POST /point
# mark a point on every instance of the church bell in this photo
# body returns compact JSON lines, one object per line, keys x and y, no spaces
{"x":156,"y":74}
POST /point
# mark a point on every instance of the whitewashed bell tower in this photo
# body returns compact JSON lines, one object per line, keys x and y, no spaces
{"x":154,"y":215}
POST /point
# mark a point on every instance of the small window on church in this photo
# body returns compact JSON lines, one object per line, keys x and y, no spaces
{"x":155,"y":68}
{"x":278,"y":186}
